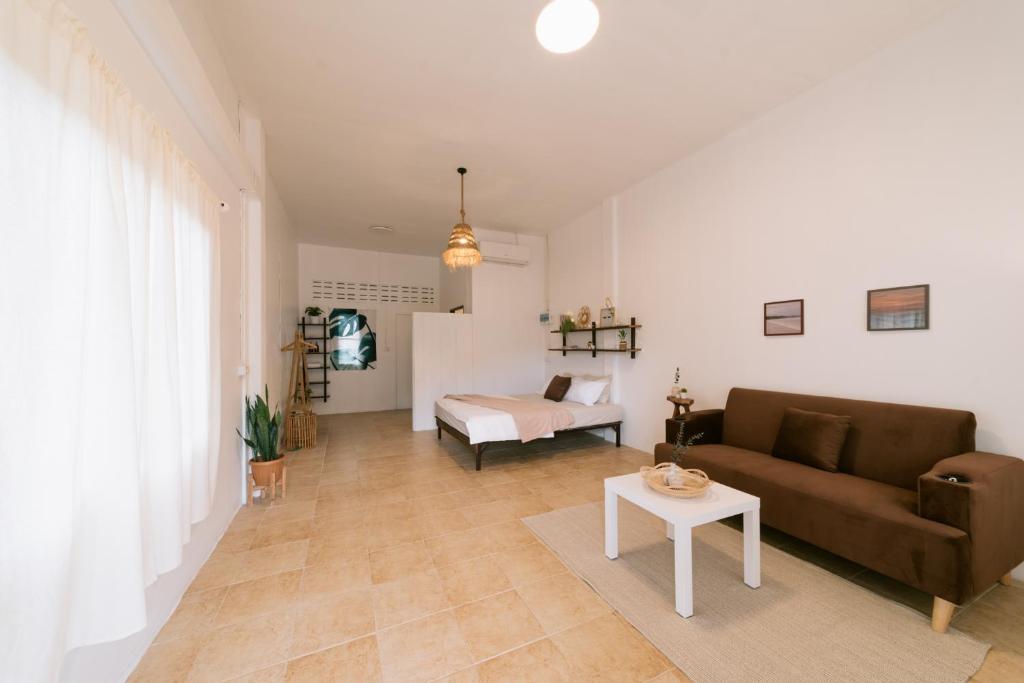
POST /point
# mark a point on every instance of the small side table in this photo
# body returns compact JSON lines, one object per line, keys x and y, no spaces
{"x":681,"y":516}
{"x":678,"y":403}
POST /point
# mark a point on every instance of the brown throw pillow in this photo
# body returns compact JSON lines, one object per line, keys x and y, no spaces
{"x":556,"y":390}
{"x":814,"y":439}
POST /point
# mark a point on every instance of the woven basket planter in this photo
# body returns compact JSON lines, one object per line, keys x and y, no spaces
{"x":301,"y":430}
{"x":695,"y":483}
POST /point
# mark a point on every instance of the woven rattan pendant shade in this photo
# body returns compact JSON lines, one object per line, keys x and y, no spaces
{"x":462,"y":251}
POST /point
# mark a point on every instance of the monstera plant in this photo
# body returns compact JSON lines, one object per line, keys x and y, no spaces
{"x":353,"y":343}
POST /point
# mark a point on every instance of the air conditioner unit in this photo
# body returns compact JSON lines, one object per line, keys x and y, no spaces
{"x":509,"y":254}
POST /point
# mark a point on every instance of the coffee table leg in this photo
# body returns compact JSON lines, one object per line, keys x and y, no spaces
{"x":752,"y":548}
{"x":611,"y":525}
{"x":684,"y":571}
{"x":670,"y":531}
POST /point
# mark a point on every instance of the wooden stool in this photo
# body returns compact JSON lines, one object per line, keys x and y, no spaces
{"x":678,"y":403}
{"x":272,"y":486}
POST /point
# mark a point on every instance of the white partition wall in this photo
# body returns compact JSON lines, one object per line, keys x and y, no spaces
{"x":442,"y":362}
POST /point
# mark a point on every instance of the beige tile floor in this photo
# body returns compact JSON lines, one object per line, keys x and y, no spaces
{"x":392,"y":560}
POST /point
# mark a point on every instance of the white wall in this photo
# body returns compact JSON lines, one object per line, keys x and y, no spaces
{"x":441,"y":344}
{"x":366,"y":390}
{"x":116,"y":42}
{"x":281,"y":294}
{"x":204,"y":43}
{"x":582,"y":273}
{"x":906,"y":169}
{"x":509,"y":341}
{"x":455,"y":288}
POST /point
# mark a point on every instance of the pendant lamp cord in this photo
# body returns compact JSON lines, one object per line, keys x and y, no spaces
{"x":462,"y":194}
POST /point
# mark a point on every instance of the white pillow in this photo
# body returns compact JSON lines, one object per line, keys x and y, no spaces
{"x":606,"y":395}
{"x":585,"y":391}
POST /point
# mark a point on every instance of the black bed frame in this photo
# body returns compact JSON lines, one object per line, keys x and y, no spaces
{"x":478,"y":448}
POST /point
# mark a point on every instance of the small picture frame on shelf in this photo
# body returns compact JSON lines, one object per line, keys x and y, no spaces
{"x":784,"y":318}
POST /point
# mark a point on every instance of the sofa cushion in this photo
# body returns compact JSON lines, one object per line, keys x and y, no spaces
{"x":809,"y":438}
{"x":557,"y":388}
{"x":868,"y":522}
{"x":887,"y":442}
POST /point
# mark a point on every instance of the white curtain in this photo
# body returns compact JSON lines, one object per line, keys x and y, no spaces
{"x":109,"y":350}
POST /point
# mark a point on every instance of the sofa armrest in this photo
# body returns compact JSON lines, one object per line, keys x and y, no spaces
{"x":708,"y":422}
{"x":987,"y":504}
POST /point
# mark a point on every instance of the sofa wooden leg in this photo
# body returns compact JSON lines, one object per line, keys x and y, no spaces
{"x":1006,"y":580}
{"x":942,"y":612}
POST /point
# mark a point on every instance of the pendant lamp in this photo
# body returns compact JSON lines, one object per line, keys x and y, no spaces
{"x":462,"y":251}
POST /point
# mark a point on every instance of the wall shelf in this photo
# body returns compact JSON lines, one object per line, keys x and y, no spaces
{"x":593,"y":330}
{"x":569,"y":349}
{"x":595,"y":326}
{"x":321,"y":350}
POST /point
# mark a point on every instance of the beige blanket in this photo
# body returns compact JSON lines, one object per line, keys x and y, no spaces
{"x":533,"y":419}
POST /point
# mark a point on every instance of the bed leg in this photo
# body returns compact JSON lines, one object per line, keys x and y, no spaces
{"x":479,"y":448}
{"x":438,"y":428}
{"x":618,"y":435}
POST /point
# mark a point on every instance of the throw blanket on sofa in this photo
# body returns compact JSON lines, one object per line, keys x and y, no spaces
{"x":533,"y":420}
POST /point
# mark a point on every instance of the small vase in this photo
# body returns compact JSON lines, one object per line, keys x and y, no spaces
{"x":674,"y":391}
{"x":674,"y":475}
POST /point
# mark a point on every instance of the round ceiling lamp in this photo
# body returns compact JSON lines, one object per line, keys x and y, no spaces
{"x":462,"y":251}
{"x":567,"y":25}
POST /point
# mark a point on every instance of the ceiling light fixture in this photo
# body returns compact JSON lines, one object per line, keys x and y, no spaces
{"x":462,"y":251}
{"x":384,"y":229}
{"x":567,"y":25}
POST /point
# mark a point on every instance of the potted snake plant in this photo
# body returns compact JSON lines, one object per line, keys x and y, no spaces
{"x":263,"y":430}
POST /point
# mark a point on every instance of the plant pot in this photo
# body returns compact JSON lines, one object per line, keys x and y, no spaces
{"x":265,"y":472}
{"x":622,"y":345}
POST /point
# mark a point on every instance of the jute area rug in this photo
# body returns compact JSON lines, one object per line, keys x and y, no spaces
{"x":802,"y":624}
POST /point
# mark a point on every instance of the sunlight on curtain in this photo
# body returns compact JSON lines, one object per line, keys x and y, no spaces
{"x":109,"y":349}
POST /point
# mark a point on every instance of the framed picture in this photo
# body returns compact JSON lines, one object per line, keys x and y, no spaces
{"x":458,"y":310}
{"x":898,"y":308}
{"x":351,"y":341}
{"x":784,"y":318}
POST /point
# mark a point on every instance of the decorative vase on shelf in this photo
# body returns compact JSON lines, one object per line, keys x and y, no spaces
{"x":674,"y":391}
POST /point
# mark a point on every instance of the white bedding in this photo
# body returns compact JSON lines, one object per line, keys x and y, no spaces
{"x":484,"y":424}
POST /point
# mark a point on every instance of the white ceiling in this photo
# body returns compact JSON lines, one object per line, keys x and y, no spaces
{"x":370,"y":105}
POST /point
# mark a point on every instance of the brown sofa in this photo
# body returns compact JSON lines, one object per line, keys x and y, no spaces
{"x":887,"y":507}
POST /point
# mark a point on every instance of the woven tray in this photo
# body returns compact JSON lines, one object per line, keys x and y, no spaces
{"x":695,"y":482}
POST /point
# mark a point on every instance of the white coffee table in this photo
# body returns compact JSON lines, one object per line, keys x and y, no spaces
{"x":681,"y":515}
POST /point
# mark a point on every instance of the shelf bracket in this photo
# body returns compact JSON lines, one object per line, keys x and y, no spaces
{"x":632,"y":337}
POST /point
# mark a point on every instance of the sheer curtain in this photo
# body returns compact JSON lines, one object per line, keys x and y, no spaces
{"x":109,"y":350}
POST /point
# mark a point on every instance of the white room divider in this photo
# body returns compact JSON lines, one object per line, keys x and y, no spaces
{"x":442,"y":362}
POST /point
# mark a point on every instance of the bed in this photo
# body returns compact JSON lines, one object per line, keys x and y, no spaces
{"x":479,"y":427}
